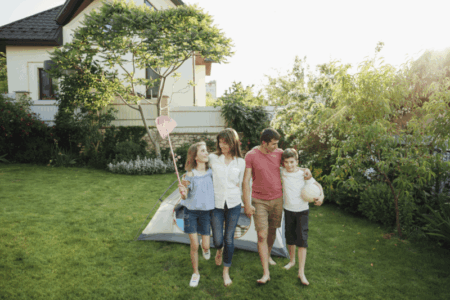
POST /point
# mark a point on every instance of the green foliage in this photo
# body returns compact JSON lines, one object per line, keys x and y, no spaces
{"x":303,"y":102}
{"x":353,"y":123}
{"x":240,"y":113}
{"x":81,"y":134}
{"x":210,"y":101}
{"x":128,"y":150}
{"x":280,"y":89}
{"x":3,"y":159}
{"x":378,"y":205}
{"x":3,"y":74}
{"x":238,"y":93}
{"x":61,"y":157}
{"x":114,"y":136}
{"x":438,"y":220}
{"x":23,"y":136}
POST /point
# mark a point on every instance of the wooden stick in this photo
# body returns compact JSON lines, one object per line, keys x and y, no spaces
{"x":173,"y":156}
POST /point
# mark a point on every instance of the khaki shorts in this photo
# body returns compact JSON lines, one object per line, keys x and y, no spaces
{"x":268,"y":213}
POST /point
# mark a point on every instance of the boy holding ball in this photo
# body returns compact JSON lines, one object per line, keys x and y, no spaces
{"x":296,"y":210}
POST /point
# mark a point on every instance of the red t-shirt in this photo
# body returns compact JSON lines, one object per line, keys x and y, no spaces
{"x":265,"y":173}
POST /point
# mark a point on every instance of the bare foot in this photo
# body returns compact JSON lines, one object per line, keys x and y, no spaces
{"x":303,"y":279}
{"x":289,"y":265}
{"x":227,"y":280}
{"x":218,"y":257}
{"x":271,"y":261}
{"x":264,"y":279}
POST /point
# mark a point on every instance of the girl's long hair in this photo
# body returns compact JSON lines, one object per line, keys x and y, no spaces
{"x":191,"y":163}
{"x":230,"y":137}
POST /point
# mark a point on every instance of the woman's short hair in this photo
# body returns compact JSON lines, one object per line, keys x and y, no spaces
{"x":288,"y":153}
{"x":191,"y":163}
{"x":231,"y":137}
{"x":269,"y":134}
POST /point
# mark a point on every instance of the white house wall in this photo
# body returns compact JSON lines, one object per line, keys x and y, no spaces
{"x":23,"y":63}
{"x":200,"y":88}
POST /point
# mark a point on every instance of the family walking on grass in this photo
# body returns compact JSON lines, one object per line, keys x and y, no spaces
{"x":217,"y":184}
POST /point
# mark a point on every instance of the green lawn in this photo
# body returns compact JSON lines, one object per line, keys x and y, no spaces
{"x":66,"y":233}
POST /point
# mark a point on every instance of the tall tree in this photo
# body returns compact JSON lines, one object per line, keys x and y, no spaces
{"x":121,"y":37}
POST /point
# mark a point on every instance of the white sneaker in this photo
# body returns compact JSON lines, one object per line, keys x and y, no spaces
{"x":194,"y":280}
{"x":206,"y":254}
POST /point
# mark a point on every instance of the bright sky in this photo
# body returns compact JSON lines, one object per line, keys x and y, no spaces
{"x":269,"y":34}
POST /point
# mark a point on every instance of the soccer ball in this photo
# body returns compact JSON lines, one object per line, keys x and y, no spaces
{"x":309,"y":192}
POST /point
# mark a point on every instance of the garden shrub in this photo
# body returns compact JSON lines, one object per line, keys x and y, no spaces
{"x":347,"y":199}
{"x":146,"y":166}
{"x":438,"y":220}
{"x":23,"y":136}
{"x":377,"y":204}
{"x":79,"y":133}
{"x":128,"y":150}
{"x":61,"y":157}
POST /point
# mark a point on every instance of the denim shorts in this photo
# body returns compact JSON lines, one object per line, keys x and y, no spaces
{"x":197,"y":221}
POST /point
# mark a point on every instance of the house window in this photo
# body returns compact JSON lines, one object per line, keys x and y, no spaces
{"x":149,"y":4}
{"x":152,"y":92}
{"x":46,"y":90}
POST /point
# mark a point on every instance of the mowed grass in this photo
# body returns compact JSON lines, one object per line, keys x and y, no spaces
{"x":67,"y":233}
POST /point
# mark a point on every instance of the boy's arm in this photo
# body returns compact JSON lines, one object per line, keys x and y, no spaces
{"x":319,"y":201}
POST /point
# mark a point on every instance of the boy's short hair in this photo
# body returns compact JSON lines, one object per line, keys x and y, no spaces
{"x":269,"y":134}
{"x":288,"y":153}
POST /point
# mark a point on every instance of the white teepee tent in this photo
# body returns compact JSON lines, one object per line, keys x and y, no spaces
{"x":167,"y":225}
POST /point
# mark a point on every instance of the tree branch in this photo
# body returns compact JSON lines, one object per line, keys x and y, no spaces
{"x":121,"y":98}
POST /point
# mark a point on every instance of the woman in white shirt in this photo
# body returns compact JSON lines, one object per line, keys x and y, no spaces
{"x":228,"y":168}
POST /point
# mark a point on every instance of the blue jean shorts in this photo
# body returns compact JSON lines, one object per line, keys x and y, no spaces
{"x":197,"y":221}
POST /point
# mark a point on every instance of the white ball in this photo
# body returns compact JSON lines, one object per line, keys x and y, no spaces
{"x":309,"y":192}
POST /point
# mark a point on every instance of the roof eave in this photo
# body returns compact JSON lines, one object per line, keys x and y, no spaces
{"x":20,"y":42}
{"x":67,"y":11}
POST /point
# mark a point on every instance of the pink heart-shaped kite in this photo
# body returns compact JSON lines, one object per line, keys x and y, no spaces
{"x":165,"y":125}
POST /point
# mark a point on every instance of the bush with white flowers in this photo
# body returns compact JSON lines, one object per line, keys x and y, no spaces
{"x":146,"y":166}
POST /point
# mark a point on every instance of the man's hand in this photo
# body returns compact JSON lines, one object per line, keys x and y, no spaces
{"x":249,"y":210}
{"x":308,"y":174}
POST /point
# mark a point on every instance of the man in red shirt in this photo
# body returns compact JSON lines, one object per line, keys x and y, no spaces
{"x":266,"y":206}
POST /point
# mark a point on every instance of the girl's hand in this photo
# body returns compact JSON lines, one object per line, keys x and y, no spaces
{"x":184,"y":181}
{"x":183,"y":191}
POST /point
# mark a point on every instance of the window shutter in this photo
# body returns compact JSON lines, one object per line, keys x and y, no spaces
{"x":152,"y":92}
{"x":45,"y":86}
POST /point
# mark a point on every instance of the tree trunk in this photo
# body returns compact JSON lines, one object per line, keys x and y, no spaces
{"x":397,"y":216}
{"x":153,"y":137}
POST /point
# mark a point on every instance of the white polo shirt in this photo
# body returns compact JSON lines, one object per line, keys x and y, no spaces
{"x":292,"y":187}
{"x":227,"y":180}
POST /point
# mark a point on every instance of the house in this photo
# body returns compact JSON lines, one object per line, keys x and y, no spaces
{"x":27,"y":42}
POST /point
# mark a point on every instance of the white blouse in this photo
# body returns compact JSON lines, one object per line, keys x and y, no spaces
{"x":227,"y":180}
